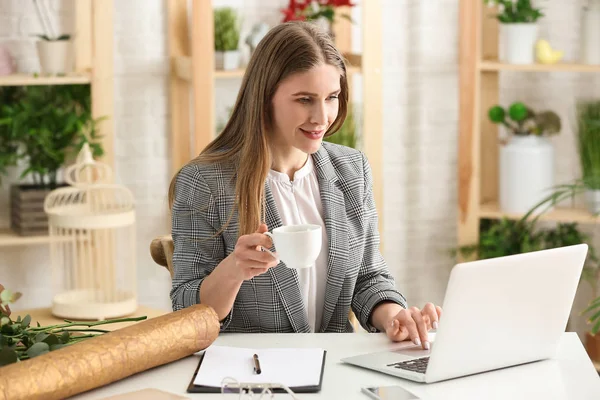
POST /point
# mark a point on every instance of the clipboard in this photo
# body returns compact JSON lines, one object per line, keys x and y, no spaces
{"x":193,"y":388}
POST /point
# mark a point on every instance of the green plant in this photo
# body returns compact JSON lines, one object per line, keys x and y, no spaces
{"x":19,"y":340}
{"x":506,"y":237}
{"x":54,"y":39}
{"x":47,"y":124}
{"x":227,"y":29}
{"x":594,"y":319}
{"x":8,"y":146}
{"x":515,"y":11}
{"x":588,"y":142}
{"x":522,"y":120}
{"x":346,"y":135}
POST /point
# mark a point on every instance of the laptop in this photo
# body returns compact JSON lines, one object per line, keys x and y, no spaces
{"x":497,"y":313}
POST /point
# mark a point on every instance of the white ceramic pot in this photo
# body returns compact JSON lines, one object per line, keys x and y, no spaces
{"x":56,"y":57}
{"x":590,"y":34}
{"x":227,"y":60}
{"x":517,"y":43}
{"x":526,"y":173}
{"x":592,"y":199}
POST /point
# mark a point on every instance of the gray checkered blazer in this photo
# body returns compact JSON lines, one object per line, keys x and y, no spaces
{"x":357,"y":278}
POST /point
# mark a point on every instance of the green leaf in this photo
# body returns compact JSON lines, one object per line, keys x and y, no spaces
{"x":58,"y":346}
{"x":594,"y":317}
{"x":591,"y":307}
{"x":4,"y":321}
{"x":26,"y":321}
{"x":518,"y":112}
{"x":7,"y":356}
{"x":41,"y":336}
{"x":497,"y":114}
{"x":51,"y":340}
{"x":596,"y":328}
{"x":38,"y":349}
{"x":64,"y":337}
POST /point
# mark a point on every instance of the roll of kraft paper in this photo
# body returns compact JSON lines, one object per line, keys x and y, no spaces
{"x":110,"y":357}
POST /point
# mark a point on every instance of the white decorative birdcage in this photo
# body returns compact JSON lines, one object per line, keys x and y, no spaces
{"x":92,"y":232}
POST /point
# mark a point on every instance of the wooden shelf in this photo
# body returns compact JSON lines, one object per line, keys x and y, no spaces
{"x":44,"y":316}
{"x":29,"y":79}
{"x":10,"y":238}
{"x":492,"y":210}
{"x":490,"y":65}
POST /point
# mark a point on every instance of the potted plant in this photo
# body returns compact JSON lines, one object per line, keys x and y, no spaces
{"x":527,"y":160}
{"x":506,"y":237}
{"x":227,"y":37}
{"x":48,"y":125}
{"x":590,"y":31}
{"x":588,"y":145}
{"x":55,"y":54}
{"x":55,"y":51}
{"x":518,"y":30}
{"x":321,"y":12}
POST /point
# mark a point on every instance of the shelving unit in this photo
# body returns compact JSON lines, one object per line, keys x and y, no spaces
{"x":192,"y":81}
{"x":94,"y":66}
{"x":478,"y":137}
{"x":28,"y":80}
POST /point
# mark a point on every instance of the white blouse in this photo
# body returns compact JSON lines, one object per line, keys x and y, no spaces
{"x":299,"y":202}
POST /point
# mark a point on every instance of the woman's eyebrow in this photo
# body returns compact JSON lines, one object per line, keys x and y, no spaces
{"x":313,"y":94}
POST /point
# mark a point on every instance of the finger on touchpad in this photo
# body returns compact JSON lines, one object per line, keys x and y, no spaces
{"x":415,"y":351}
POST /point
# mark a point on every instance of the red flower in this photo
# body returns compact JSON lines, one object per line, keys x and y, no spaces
{"x":340,"y":3}
{"x":291,"y":15}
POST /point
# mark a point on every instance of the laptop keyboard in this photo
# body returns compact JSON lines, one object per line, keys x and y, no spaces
{"x":418,"y":365}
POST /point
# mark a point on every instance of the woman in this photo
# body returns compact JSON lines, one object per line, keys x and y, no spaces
{"x":270,"y":167}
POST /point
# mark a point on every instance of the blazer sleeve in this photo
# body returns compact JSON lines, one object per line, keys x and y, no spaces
{"x":198,"y":249}
{"x":374,"y":283}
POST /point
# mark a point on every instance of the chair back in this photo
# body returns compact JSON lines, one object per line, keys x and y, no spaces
{"x":161,"y":250}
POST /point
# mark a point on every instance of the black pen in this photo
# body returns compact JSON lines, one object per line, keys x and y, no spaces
{"x":256,"y":364}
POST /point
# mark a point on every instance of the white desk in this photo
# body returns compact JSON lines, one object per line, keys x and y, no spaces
{"x":570,"y":376}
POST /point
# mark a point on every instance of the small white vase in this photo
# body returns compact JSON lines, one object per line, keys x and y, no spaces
{"x":517,"y":43}
{"x":526,"y":173}
{"x":227,"y":60}
{"x":56,"y":57}
{"x":590,"y":34}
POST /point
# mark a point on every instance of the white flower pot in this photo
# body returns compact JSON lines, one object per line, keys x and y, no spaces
{"x":56,"y":57}
{"x":227,"y":60}
{"x":517,"y":43}
{"x":526,"y":173}
{"x":590,"y":34}
{"x":592,"y":199}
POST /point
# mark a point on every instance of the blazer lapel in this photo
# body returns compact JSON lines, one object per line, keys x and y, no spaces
{"x":285,"y":279}
{"x":334,"y":210}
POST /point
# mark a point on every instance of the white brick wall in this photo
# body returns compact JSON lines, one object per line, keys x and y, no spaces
{"x":420,"y":98}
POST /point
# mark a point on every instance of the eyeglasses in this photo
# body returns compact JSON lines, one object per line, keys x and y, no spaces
{"x":253,"y":391}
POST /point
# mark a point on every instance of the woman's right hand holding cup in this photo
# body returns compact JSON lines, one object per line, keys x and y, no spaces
{"x":249,"y":257}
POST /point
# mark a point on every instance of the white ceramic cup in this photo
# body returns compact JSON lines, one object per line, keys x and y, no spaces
{"x":298,"y":246}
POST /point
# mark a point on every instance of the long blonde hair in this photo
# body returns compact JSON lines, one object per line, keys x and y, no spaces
{"x":287,"y":48}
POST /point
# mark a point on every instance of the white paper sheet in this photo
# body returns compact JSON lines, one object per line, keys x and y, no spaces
{"x":292,"y":367}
